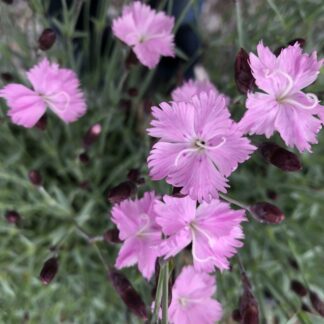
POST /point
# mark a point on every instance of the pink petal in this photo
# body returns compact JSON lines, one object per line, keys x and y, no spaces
{"x":127,"y":255}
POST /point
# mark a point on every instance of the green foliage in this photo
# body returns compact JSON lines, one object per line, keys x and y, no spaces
{"x":81,"y":292}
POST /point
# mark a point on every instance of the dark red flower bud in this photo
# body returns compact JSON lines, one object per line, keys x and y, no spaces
{"x":249,"y":309}
{"x":132,"y":92}
{"x":35,"y":178}
{"x":293,"y":263}
{"x":128,"y":294}
{"x":85,"y":185}
{"x":6,"y":77}
{"x":134,"y":175}
{"x":12,"y":217}
{"x":305,"y":308}
{"x":317,"y":303}
{"x":42,"y":123}
{"x":131,"y":60}
{"x":298,"y":288}
{"x":112,"y":236}
{"x":49,"y":270}
{"x":271,"y":194}
{"x":121,"y":192}
{"x":8,"y":1}
{"x":46,"y":39}
{"x":267,"y":213}
{"x":236,"y":315}
{"x":242,"y":72}
{"x":84,"y":158}
{"x":92,"y":135}
{"x":280,"y":157}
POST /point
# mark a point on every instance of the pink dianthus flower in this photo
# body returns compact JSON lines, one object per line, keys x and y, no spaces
{"x":283,"y":106}
{"x":213,"y":229}
{"x":192,"y":299}
{"x":135,"y":220}
{"x":199,"y":146}
{"x":53,"y":87}
{"x":148,"y":32}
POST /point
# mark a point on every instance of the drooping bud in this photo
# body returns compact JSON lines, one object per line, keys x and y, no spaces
{"x":121,"y":192}
{"x":242,"y":72}
{"x":134,"y":175}
{"x":317,"y":303}
{"x":84,"y":158}
{"x":35,"y":178}
{"x":249,"y":309}
{"x":46,"y":39}
{"x":92,"y":135}
{"x":112,"y":236}
{"x":236,"y":315}
{"x":128,"y":294}
{"x":49,"y":270}
{"x":12,"y":217}
{"x":280,"y":157}
{"x":300,"y":41}
{"x":267,"y":213}
{"x":6,"y":77}
{"x":42,"y":123}
{"x":298,"y":288}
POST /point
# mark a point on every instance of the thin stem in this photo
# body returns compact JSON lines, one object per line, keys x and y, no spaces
{"x":158,"y":296}
{"x":234,"y":202}
{"x":183,"y":15}
{"x":239,"y":23}
{"x":165,"y":297}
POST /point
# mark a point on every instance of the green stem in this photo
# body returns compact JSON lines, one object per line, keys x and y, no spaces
{"x":234,"y":202}
{"x":165,"y":297}
{"x":158,"y":296}
{"x":239,"y":23}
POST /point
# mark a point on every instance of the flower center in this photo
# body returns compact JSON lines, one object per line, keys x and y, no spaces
{"x":183,"y":301}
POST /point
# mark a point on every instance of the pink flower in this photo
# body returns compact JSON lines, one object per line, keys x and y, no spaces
{"x":282,"y":106}
{"x":199,"y":147}
{"x":141,"y":235}
{"x":53,"y":87}
{"x":213,"y":229}
{"x":192,"y":299}
{"x":148,"y":32}
{"x":194,"y":87}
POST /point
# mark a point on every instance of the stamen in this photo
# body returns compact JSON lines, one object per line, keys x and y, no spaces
{"x":288,"y":78}
{"x":207,"y":147}
{"x":53,"y":105}
{"x":181,"y":153}
{"x":311,"y":96}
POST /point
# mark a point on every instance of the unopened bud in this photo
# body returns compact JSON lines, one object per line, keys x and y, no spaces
{"x":317,"y":303}
{"x":298,"y":288}
{"x":8,"y":1}
{"x":131,"y":60}
{"x":242,"y":72}
{"x":293,"y":263}
{"x":121,"y":192}
{"x":112,"y":236}
{"x":84,"y":158}
{"x":280,"y":157}
{"x":12,"y":217}
{"x":42,"y":123}
{"x":128,"y":294}
{"x":46,"y":39}
{"x":132,"y":92}
{"x":236,"y":315}
{"x":305,"y":308}
{"x":134,"y":175}
{"x":6,"y":77}
{"x":267,"y":213}
{"x":35,"y":178}
{"x":92,"y":135}
{"x":49,"y":270}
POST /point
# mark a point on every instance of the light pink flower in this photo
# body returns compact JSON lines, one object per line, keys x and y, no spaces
{"x":53,"y":87}
{"x":148,"y":32}
{"x":192,"y":88}
{"x":141,"y":235}
{"x":282,"y":106}
{"x":192,"y":299}
{"x":213,"y":229}
{"x":199,"y":147}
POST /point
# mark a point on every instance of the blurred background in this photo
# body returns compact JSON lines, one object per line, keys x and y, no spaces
{"x":77,"y":176}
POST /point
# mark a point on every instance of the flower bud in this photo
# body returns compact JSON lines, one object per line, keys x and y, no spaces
{"x":242,"y":72}
{"x":317,"y":303}
{"x":267,"y":213}
{"x":42,"y":123}
{"x":128,"y":294}
{"x":305,"y":308}
{"x":8,"y":1}
{"x":121,"y":192}
{"x":35,"y":178}
{"x":236,"y":315}
{"x":280,"y":157}
{"x":84,"y":158}
{"x":293,"y":263}
{"x":131,"y":60}
{"x":132,"y":92}
{"x":112,"y":236}
{"x":12,"y":217}
{"x":6,"y":77}
{"x":92,"y":135}
{"x":134,"y":176}
{"x":298,"y":288}
{"x":49,"y":270}
{"x":46,"y":39}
